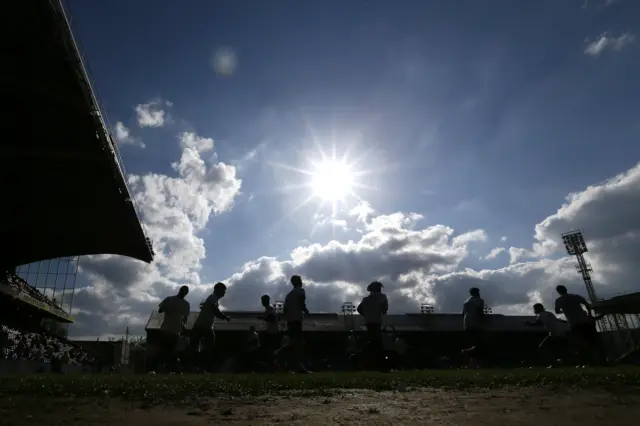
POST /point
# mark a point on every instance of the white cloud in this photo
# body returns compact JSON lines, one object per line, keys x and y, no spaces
{"x":418,"y":262}
{"x":362,"y":211}
{"x":322,"y":221}
{"x":123,"y":136}
{"x":503,"y":239}
{"x":192,"y":141}
{"x":152,"y":114}
{"x":605,"y":41}
{"x":175,"y":209}
{"x":516,"y":254}
{"x":494,"y":253}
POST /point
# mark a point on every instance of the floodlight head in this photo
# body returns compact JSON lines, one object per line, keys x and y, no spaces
{"x":574,"y":243}
{"x":348,"y":308}
{"x":427,"y":309}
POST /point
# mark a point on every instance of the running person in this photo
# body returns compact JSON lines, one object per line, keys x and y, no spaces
{"x":553,"y":345}
{"x":581,"y":321}
{"x":294,"y":309}
{"x":176,"y":311}
{"x":203,"y":327}
{"x":473,"y":322}
{"x":373,"y":308}
{"x":270,"y":317}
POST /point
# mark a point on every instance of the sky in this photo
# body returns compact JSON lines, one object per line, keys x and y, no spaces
{"x":433,"y":145}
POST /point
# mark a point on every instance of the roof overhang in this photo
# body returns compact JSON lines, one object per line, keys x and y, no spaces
{"x":624,"y":304}
{"x":64,"y":192}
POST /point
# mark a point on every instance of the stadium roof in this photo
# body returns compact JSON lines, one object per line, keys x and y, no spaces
{"x":63,"y":190}
{"x":624,"y":304}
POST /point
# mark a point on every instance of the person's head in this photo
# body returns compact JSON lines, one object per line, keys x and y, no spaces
{"x":220,"y":290}
{"x":538,"y":307}
{"x":265,"y":299}
{"x":184,"y":290}
{"x":375,"y":287}
{"x":296,"y":281}
{"x":562,"y":290}
{"x":474,"y":291}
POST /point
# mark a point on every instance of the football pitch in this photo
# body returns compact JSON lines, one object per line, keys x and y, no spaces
{"x":562,"y":396}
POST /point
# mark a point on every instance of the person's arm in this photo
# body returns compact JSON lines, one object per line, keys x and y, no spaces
{"x":185,"y":316}
{"x":359,"y":308}
{"x":270,"y":317}
{"x":161,"y":306}
{"x":533,"y":323}
{"x":558,"y":307}
{"x":587,"y":305}
{"x":303,"y":302}
{"x":385,"y":306}
{"x":219,"y":314}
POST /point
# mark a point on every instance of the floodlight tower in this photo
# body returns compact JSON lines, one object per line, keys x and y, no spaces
{"x":575,"y":245}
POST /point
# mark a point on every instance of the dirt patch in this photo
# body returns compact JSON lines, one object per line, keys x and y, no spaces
{"x":416,"y":407}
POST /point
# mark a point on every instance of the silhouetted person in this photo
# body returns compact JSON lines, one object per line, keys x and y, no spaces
{"x":295,"y":308}
{"x":271,"y":333}
{"x":373,"y":308}
{"x":473,"y":322}
{"x":581,"y":321}
{"x":176,"y":311}
{"x":202,"y":330}
{"x":554,"y":345}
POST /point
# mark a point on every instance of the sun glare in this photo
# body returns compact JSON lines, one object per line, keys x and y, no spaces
{"x":332,"y":180}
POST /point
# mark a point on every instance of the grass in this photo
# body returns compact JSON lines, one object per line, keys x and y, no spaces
{"x":180,"y":387}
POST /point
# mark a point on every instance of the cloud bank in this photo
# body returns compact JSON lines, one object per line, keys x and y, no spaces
{"x":419,"y":262}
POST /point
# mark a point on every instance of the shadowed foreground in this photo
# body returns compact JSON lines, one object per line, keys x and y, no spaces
{"x":520,"y":397}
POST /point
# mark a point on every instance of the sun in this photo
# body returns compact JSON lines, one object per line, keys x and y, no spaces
{"x":332,"y":180}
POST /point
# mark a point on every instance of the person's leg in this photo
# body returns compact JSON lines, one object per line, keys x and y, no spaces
{"x":297,"y":351}
{"x":546,"y":351}
{"x":473,"y":352}
{"x":208,"y":348}
{"x":581,"y":338}
{"x":155,"y":355}
{"x":481,"y":352}
{"x":171,"y":344}
{"x":194,"y":347}
{"x":597,"y":349}
{"x":269,"y":346}
{"x":376,"y":348}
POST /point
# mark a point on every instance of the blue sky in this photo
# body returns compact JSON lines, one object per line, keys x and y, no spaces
{"x":476,"y":115}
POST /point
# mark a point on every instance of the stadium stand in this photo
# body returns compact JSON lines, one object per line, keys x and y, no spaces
{"x":17,"y":289}
{"x":63,"y":186}
{"x":61,"y":174}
